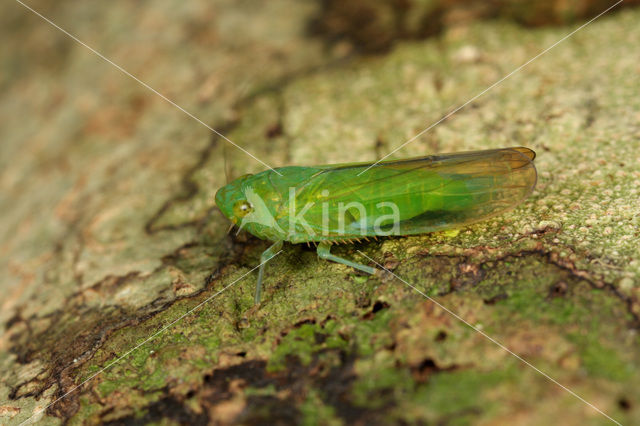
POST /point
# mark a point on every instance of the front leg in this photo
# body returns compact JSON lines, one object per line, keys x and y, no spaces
{"x":266,"y":255}
{"x":324,"y":252}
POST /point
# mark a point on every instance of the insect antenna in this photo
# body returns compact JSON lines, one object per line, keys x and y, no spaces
{"x":227,"y":171}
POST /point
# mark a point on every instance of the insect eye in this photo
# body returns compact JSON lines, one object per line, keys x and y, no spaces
{"x":242,"y":208}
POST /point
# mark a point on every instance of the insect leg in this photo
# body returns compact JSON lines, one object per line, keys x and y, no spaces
{"x":324,"y":252}
{"x":266,"y":255}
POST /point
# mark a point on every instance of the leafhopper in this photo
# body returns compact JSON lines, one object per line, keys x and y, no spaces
{"x":339,"y":203}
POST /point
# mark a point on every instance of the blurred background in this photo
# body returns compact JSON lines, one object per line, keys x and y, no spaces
{"x":109,"y":230}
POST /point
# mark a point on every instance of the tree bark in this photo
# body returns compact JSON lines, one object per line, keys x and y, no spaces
{"x":125,"y":300}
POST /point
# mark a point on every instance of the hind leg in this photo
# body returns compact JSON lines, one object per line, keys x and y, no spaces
{"x":324,"y":252}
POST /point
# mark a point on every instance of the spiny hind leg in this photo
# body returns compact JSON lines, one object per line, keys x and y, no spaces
{"x":266,"y":255}
{"x":324,"y":252}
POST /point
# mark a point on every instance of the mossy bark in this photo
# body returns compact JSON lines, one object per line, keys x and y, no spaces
{"x":109,"y":231}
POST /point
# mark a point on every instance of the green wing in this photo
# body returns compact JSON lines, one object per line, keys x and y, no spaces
{"x":429,"y":193}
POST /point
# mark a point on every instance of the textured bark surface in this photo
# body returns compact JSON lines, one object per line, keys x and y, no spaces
{"x":109,"y":232}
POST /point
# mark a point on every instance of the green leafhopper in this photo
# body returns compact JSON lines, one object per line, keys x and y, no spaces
{"x":338,"y":203}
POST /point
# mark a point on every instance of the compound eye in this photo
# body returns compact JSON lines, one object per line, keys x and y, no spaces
{"x":242,"y":208}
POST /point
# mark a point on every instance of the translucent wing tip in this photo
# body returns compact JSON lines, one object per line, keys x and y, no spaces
{"x":527,"y":169}
{"x":526,"y":151}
